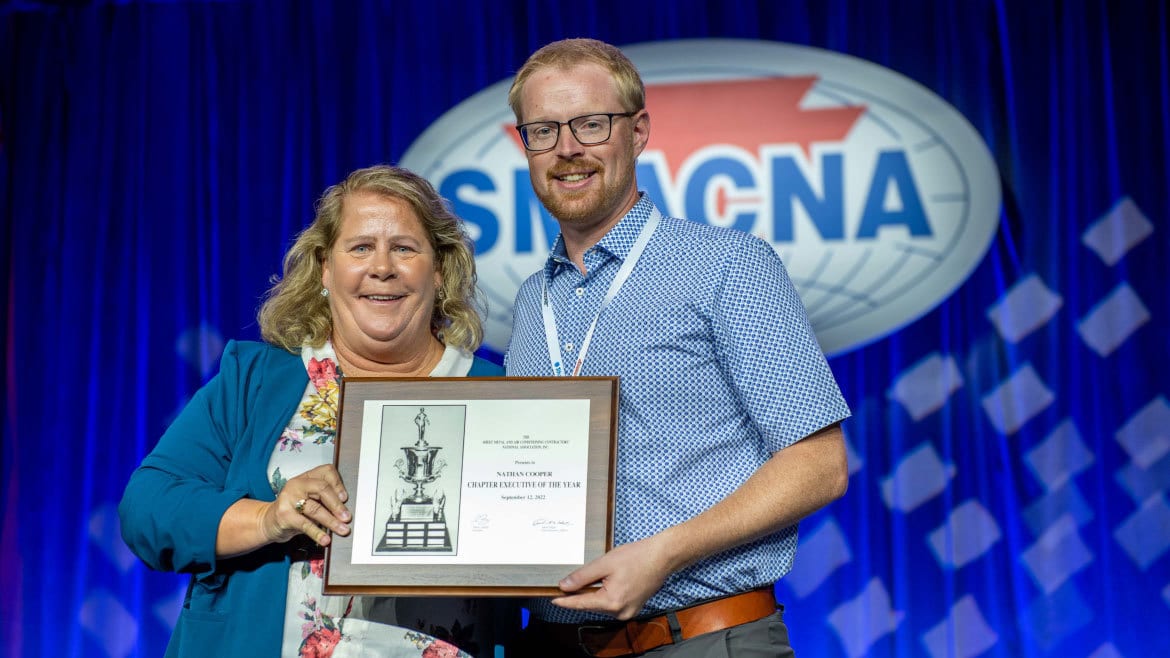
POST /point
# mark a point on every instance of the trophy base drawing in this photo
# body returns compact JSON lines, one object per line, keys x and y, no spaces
{"x":415,"y":536}
{"x":417,"y":527}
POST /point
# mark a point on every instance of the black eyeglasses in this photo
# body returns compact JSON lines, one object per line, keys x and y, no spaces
{"x":588,"y":129}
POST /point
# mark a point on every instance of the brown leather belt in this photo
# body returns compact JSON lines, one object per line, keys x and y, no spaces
{"x":616,"y":639}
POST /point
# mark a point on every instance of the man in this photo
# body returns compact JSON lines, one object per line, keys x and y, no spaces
{"x":729,"y":415}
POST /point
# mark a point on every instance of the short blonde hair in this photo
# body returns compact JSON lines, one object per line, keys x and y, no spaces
{"x":294,"y":313}
{"x":567,"y":53}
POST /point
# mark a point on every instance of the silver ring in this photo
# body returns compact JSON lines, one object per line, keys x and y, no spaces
{"x":299,"y":506}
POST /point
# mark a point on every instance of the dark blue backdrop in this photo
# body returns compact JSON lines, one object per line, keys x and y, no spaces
{"x":157,"y":157}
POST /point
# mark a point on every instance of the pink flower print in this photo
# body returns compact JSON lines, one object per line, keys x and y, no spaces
{"x":440,"y":649}
{"x":317,"y":566}
{"x":290,"y":440}
{"x":322,"y":372}
{"x":320,"y":644}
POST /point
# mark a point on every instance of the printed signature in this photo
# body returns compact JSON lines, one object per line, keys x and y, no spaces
{"x":552,"y":525}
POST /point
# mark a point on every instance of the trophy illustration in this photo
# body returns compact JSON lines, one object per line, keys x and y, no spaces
{"x":417,"y":520}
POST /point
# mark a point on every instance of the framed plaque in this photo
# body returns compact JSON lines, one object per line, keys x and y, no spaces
{"x":472,"y":486}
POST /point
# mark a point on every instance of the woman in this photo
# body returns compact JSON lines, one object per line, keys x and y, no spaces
{"x":241,"y":492}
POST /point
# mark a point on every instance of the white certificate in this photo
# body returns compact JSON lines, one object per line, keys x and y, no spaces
{"x":488,"y":486}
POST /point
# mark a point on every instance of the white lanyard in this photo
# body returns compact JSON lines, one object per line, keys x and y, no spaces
{"x":550,"y":322}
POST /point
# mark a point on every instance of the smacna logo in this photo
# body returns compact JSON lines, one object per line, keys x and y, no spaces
{"x":878,"y":195}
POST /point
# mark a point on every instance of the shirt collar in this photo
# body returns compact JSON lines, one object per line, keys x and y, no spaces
{"x":617,"y":242}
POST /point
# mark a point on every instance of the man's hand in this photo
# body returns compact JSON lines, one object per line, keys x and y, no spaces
{"x":629,"y":575}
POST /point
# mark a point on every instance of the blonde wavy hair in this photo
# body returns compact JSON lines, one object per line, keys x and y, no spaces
{"x":568,"y":53}
{"x":294,"y":313}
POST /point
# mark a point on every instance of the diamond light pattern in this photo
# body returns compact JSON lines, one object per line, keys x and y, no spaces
{"x":920,"y":476}
{"x":820,"y":553}
{"x":1050,"y":618}
{"x":970,"y":531}
{"x":1060,"y":456}
{"x":864,"y":619}
{"x":105,"y":531}
{"x":200,"y":347}
{"x":963,"y":633}
{"x":1146,"y":435}
{"x":1118,"y":231}
{"x":1143,"y":534}
{"x":1113,"y":320}
{"x":167,"y":609}
{"x":1066,"y":500}
{"x":1016,"y":400}
{"x":106,"y":620}
{"x":1141,"y":483}
{"x":924,"y":387}
{"x":1106,"y":650}
{"x":1023,"y":309}
{"x":1056,"y":555}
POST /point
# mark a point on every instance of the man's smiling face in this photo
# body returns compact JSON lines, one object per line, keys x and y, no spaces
{"x":587,"y":189}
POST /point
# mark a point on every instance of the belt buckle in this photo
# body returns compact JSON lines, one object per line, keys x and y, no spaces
{"x":581,"y":640}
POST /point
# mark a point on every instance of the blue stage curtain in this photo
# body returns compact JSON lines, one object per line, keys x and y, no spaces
{"x":156,"y":159}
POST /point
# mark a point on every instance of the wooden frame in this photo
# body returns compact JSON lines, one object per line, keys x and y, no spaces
{"x":472,"y":486}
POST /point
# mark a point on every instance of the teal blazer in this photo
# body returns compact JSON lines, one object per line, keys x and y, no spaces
{"x":215,"y":453}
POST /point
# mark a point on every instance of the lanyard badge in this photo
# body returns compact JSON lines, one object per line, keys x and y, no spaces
{"x":623,"y":274}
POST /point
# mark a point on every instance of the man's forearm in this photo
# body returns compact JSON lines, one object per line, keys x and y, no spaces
{"x":792,"y":484}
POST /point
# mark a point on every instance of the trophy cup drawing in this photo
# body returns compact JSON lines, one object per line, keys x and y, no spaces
{"x":417,"y":520}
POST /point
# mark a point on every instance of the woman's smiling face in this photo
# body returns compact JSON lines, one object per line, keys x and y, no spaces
{"x":382,"y":278}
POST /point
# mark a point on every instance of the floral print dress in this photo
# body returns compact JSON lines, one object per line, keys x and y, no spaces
{"x":320,"y":626}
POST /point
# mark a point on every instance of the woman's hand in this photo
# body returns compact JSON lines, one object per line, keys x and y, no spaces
{"x":310,"y":504}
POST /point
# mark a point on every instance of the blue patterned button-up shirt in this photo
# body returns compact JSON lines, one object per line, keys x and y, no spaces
{"x":719,"y":369}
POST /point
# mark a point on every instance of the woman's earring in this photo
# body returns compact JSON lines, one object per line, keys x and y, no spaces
{"x":324,"y":292}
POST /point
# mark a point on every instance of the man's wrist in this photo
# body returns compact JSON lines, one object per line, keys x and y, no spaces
{"x":673,"y":549}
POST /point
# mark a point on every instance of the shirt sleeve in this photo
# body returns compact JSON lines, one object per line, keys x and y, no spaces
{"x":173,"y":503}
{"x":767,"y":349}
